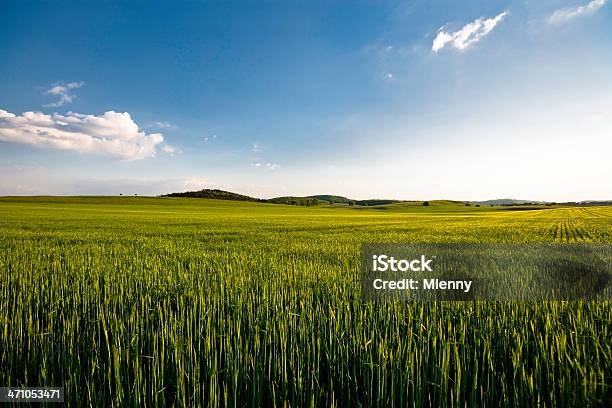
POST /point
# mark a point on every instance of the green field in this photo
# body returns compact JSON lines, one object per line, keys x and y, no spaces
{"x":191,"y":302}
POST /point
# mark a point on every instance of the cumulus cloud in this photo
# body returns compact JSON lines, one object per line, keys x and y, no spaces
{"x":114,"y":133}
{"x":467,"y":36}
{"x":64,"y":93}
{"x":565,"y":14}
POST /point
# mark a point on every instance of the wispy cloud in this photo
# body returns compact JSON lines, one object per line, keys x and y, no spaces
{"x":64,"y":93}
{"x":565,"y":14}
{"x":163,"y":125}
{"x":255,"y":148}
{"x":166,"y":148}
{"x":113,"y":133}
{"x":468,"y":35}
{"x":268,"y":166}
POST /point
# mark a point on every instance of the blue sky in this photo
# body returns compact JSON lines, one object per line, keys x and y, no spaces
{"x":411,"y":100}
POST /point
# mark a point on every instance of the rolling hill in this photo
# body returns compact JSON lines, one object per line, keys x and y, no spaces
{"x":215,"y":194}
{"x":324,"y":199}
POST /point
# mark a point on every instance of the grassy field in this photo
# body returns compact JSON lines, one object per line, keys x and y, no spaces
{"x":187,"y":302}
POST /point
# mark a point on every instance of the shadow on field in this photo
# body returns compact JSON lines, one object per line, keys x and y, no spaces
{"x":572,"y":279}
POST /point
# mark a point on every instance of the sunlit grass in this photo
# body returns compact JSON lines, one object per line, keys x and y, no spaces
{"x":127,"y":301}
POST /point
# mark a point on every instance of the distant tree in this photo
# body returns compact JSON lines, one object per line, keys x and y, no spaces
{"x":426,"y":203}
{"x":477,"y":205}
{"x":468,"y":204}
{"x":120,"y":194}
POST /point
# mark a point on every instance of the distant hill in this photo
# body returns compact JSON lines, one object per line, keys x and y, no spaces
{"x":330,"y":199}
{"x":334,"y":199}
{"x":215,"y":194}
{"x":303,"y":201}
{"x":290,"y":200}
{"x":373,"y":202}
{"x":513,"y":202}
{"x":429,"y":206}
{"x":508,"y":201}
{"x":595,"y":202}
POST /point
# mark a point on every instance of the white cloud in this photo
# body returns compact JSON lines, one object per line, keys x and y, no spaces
{"x":166,"y":148}
{"x":467,"y":36}
{"x":64,"y":93}
{"x":255,"y":148}
{"x":565,"y":14}
{"x":269,"y":166}
{"x":113,"y":133}
{"x":163,"y":125}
